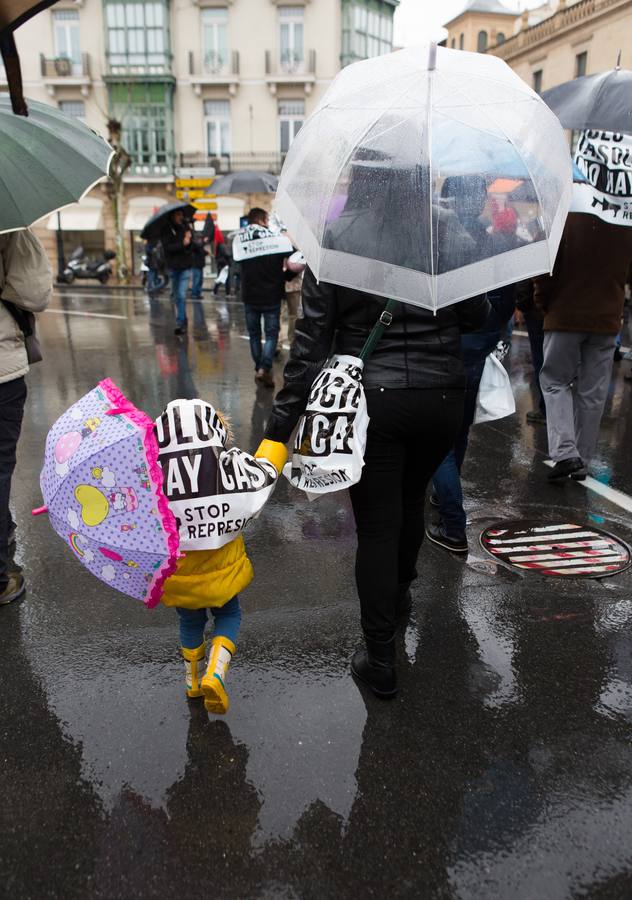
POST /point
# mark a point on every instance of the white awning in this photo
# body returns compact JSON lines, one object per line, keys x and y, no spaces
{"x":140,"y":209}
{"x":84,"y":216}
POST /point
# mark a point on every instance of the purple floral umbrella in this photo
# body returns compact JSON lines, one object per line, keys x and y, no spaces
{"x":102,"y":486}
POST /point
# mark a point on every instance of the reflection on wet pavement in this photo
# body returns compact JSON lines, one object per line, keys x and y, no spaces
{"x":503,"y":768}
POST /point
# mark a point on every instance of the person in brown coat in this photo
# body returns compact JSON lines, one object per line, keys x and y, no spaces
{"x":582,"y":304}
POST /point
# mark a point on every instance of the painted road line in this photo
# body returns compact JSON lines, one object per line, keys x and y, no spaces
{"x":604,"y":490}
{"x":76,"y":312}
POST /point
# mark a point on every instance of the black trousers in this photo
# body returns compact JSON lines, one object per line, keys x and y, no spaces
{"x":409,"y":434}
{"x":12,"y":398}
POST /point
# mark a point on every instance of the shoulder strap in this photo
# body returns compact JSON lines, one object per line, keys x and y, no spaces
{"x":385,"y":319}
{"x":21,"y":319}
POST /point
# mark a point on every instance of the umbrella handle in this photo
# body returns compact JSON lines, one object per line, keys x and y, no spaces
{"x":39,"y":511}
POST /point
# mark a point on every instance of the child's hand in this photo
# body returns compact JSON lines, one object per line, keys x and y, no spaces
{"x":274,"y":452}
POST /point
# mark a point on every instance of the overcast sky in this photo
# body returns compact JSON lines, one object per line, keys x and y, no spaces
{"x":419,"y":20}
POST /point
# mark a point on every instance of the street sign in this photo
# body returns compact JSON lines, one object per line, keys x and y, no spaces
{"x":194,"y":195}
{"x":200,"y":172}
{"x":194,"y":182}
{"x":204,"y":204}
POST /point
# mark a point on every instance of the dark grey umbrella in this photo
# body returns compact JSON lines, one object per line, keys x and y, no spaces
{"x":155,"y":224}
{"x":601,"y":101}
{"x":246,"y":182}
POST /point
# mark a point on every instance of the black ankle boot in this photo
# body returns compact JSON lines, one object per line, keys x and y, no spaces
{"x":375,"y":666}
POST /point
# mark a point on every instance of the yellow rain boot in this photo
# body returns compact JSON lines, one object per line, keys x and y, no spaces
{"x":215,"y":696}
{"x":193,"y":666}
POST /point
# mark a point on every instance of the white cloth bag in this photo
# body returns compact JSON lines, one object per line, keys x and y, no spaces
{"x":222,"y":277}
{"x":331,"y":438}
{"x":495,"y":398}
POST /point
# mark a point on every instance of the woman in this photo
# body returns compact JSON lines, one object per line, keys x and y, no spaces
{"x":414,"y":384}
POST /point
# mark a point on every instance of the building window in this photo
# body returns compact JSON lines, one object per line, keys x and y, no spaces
{"x":367,"y":30}
{"x":500,"y":37}
{"x":217,"y":119}
{"x":481,"y":42}
{"x":66,"y":34}
{"x":137,"y":37}
{"x":291,"y":31}
{"x":581,"y":62}
{"x":461,"y":41}
{"x":144,"y":110}
{"x":291,"y":118}
{"x":215,"y":40}
{"x":537,"y":81}
{"x":74,"y":108}
{"x":453,"y":43}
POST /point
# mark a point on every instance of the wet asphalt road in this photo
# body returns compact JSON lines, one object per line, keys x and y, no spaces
{"x":502,"y":770}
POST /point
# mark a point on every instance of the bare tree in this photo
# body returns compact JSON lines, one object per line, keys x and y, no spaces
{"x":121,"y":161}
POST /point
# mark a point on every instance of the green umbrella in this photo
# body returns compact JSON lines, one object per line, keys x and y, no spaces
{"x":47,"y":161}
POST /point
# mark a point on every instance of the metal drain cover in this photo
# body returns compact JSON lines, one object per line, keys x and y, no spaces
{"x":565,"y":549}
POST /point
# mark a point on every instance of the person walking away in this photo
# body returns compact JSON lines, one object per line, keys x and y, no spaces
{"x":26,"y":285}
{"x":194,"y":434}
{"x":263,"y":281}
{"x":176,"y":241}
{"x":414,"y":383}
{"x":199,"y":261}
{"x":582,"y":304}
{"x":449,"y":532}
{"x":222,"y":260}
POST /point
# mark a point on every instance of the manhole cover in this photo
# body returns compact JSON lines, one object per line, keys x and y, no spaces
{"x":564,"y":549}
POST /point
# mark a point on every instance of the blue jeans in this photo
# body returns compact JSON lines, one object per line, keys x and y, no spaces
{"x":197,"y":280}
{"x":227,"y":620}
{"x":179,"y":286}
{"x":263,"y":359}
{"x":446,"y":481}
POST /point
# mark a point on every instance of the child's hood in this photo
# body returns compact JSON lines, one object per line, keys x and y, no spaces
{"x":190,"y":424}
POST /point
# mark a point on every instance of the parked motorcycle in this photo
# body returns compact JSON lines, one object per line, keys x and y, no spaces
{"x":81,"y":266}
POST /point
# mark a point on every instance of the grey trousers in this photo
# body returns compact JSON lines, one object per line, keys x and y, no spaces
{"x":575,"y":379}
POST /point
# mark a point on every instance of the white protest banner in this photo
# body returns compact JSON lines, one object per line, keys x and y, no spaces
{"x":255,"y":240}
{"x":331,"y":437}
{"x":214,"y":493}
{"x":605,"y":158}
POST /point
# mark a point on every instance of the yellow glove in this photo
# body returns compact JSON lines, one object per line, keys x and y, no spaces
{"x":274,"y":452}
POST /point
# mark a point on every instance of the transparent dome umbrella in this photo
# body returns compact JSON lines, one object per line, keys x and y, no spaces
{"x":47,"y":161}
{"x":399,"y":182}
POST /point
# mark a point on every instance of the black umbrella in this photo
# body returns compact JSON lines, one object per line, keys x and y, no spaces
{"x":603,"y":101}
{"x":155,"y":224}
{"x":246,"y":182}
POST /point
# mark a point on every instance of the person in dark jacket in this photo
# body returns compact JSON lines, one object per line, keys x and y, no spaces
{"x":262,"y":290}
{"x":582,"y":304}
{"x":176,"y":242}
{"x":199,"y":261}
{"x":449,"y":532}
{"x":414,"y":383}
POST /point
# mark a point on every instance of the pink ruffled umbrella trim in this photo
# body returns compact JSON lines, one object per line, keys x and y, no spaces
{"x":145,"y":425}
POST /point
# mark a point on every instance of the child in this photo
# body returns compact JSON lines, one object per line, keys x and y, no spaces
{"x":213,"y":493}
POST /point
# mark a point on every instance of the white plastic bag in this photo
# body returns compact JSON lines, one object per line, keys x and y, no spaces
{"x":331,"y":438}
{"x":222,"y":278}
{"x":495,"y":398}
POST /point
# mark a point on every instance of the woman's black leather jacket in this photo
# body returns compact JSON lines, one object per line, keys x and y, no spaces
{"x":418,"y":350}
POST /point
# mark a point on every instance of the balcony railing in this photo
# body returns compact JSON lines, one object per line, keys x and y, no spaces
{"x":61,"y":67}
{"x":234,"y":162}
{"x":560,"y":21}
{"x":150,"y":65}
{"x":291,"y":65}
{"x":214,"y":66}
{"x":162,"y":171}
